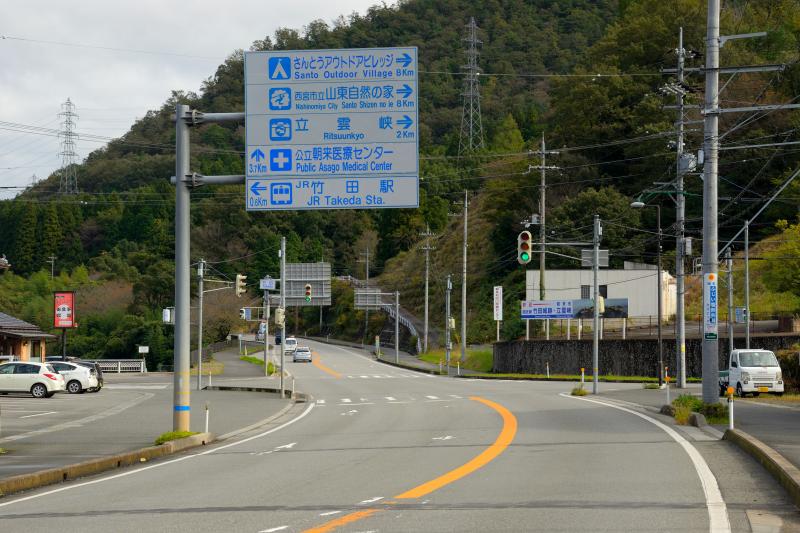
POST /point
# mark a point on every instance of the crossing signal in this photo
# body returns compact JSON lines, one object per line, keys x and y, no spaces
{"x":243,"y":313}
{"x":308,"y":292}
{"x":240,"y":285}
{"x":524,"y":246}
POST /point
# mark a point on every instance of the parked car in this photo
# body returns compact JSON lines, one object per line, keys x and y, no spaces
{"x":40,"y":379}
{"x":79,"y":378}
{"x":94,"y":365}
{"x":302,"y":353}
{"x":291,"y":345}
{"x":752,"y":372}
{"x":7,"y":358}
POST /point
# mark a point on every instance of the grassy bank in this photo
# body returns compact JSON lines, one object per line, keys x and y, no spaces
{"x":259,"y":362}
{"x":479,"y":360}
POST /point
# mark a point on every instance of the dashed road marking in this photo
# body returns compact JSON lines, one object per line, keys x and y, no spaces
{"x":40,"y":414}
{"x":432,"y":397}
{"x":329,"y":513}
{"x":272,"y":530}
{"x":371,"y":500}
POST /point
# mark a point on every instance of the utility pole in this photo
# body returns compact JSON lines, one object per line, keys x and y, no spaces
{"x":397,"y":327}
{"x":596,"y":291}
{"x":52,"y":260}
{"x":283,"y":306}
{"x":447,"y":345}
{"x":729,"y":265}
{"x":659,"y":302}
{"x":266,"y":332}
{"x":201,"y":267}
{"x":680,"y":214}
{"x":747,"y":284}
{"x":427,"y":247}
{"x":464,"y":286}
{"x":366,"y":285}
{"x":710,"y":344}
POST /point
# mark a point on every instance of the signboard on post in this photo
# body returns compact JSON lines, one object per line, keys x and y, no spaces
{"x":587,"y":258}
{"x":266,"y":284}
{"x":331,"y":129}
{"x":543,"y":309}
{"x":64,"y":309}
{"x":741,"y":315}
{"x":317,"y":275}
{"x":710,"y":307}
{"x":498,"y":303}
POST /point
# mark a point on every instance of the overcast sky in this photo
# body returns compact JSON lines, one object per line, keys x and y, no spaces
{"x":112,"y":88}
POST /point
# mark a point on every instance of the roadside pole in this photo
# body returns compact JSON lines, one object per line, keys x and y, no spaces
{"x":747,"y":284}
{"x":447,"y":344}
{"x":201,"y":267}
{"x":596,"y":292}
{"x":464,"y":286}
{"x":729,"y":265}
{"x":659,"y":300}
{"x":266,"y":332}
{"x":397,"y":326}
{"x":680,"y":200}
{"x":283,"y":306}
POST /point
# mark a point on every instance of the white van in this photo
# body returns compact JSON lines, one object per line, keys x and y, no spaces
{"x":290,"y":345}
{"x":752,"y":372}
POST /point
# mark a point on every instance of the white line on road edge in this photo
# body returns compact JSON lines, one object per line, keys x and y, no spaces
{"x":371,"y":500}
{"x":717,"y":510}
{"x":329,"y":513}
{"x":40,"y":414}
{"x":272,"y":530}
{"x":165,"y":463}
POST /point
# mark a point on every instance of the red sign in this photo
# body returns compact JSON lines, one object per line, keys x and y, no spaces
{"x":63,"y":309}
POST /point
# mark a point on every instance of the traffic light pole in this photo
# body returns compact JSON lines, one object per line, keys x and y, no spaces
{"x":596,"y":292}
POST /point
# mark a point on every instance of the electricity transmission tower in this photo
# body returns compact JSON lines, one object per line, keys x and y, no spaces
{"x":471,"y":137}
{"x":69,"y":178}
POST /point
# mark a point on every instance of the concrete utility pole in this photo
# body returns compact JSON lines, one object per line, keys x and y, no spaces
{"x":366,"y":285}
{"x":710,"y":342}
{"x":397,"y":327}
{"x":427,"y":247}
{"x":660,"y":302}
{"x":596,"y":291}
{"x":680,"y":215}
{"x":266,"y":333}
{"x":729,"y":265}
{"x":464,"y":285}
{"x":283,"y":306}
{"x":447,"y":345}
{"x":201,"y":267}
{"x":747,"y":284}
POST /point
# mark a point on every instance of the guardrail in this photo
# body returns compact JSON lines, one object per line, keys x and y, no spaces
{"x":122,"y":365}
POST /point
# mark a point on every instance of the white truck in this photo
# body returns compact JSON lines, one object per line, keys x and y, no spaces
{"x":752,"y":372}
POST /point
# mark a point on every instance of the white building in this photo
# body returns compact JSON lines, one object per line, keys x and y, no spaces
{"x":636,"y":282}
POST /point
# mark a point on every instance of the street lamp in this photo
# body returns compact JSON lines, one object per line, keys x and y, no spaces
{"x":638,"y":204}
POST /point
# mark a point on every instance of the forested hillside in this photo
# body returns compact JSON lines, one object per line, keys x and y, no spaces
{"x":584,"y":73}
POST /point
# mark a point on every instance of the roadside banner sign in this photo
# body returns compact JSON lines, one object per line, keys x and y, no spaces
{"x":544,"y":309}
{"x":741,"y":315}
{"x":498,"y":303}
{"x":331,"y":129}
{"x":266,"y":284}
{"x":144,"y":349}
{"x":710,"y":323}
{"x":64,"y":309}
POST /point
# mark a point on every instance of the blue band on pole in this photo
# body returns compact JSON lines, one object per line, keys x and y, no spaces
{"x":182,"y":408}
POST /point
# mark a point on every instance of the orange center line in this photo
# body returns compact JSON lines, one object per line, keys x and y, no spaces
{"x":500,"y":444}
{"x":316,"y":362}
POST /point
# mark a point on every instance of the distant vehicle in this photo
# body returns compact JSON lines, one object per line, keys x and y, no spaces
{"x":278,"y":337}
{"x":93,"y":365}
{"x":291,"y":345}
{"x":752,"y":372}
{"x":301,"y":353}
{"x":79,"y":378}
{"x":41,"y":380}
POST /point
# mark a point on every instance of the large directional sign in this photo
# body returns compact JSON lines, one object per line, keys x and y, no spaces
{"x":328,"y":129}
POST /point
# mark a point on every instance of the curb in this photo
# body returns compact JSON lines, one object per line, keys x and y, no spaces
{"x":13,"y":484}
{"x":409,"y":367}
{"x":781,"y":469}
{"x":299,"y":397}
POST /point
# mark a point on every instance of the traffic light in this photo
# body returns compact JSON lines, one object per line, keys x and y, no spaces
{"x":280,"y":316}
{"x":243,"y":313}
{"x":240,"y":285}
{"x":308,"y":292}
{"x":524,"y":241}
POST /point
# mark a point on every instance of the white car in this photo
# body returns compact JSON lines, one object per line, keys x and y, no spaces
{"x":290,"y":345}
{"x":79,"y":378}
{"x":302,"y":353}
{"x":41,"y":380}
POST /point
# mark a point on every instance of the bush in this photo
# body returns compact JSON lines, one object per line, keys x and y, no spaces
{"x":578,"y":391}
{"x":714,"y":411}
{"x":682,"y":414}
{"x":173,"y":435}
{"x":692,"y":403}
{"x":650,"y":385}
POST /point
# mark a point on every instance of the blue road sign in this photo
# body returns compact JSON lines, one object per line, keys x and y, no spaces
{"x":330,"y":129}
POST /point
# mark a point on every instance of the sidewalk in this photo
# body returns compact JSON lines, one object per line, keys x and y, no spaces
{"x":128,"y":414}
{"x":778,"y":426}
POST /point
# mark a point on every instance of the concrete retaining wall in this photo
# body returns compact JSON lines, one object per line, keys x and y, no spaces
{"x":632,"y":357}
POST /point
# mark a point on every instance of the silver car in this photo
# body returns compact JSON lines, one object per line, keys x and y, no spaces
{"x":302,"y":353}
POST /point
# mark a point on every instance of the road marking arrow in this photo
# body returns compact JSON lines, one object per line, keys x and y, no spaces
{"x":257,"y":188}
{"x":405,"y":91}
{"x":405,"y":59}
{"x":406,"y":122}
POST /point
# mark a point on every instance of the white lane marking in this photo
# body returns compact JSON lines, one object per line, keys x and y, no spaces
{"x":364,"y":377}
{"x":362,"y":399}
{"x":361,"y":403}
{"x":396,"y":402}
{"x":456,"y":396}
{"x":165,"y":463}
{"x":321,"y":402}
{"x":137,"y":386}
{"x":432,"y":397}
{"x":40,"y":414}
{"x":371,"y":500}
{"x":377,"y":376}
{"x":286,"y":446}
{"x":350,"y":412}
{"x":446,"y":437}
{"x":329,"y":513}
{"x":347,"y":400}
{"x":717,"y":510}
{"x":391,"y":399}
{"x":272,"y":530}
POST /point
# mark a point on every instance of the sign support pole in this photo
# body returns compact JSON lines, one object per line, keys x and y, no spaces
{"x":266,"y":332}
{"x":283,"y":306}
{"x":397,"y":326}
{"x":596,"y":292}
{"x":447,"y":323}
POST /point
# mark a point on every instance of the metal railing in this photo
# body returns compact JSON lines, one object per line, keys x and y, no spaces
{"x":122,"y":365}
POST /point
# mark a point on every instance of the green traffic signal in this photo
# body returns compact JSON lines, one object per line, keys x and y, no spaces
{"x":525,"y":257}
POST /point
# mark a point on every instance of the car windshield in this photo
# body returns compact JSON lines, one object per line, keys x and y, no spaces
{"x":51,"y":368}
{"x":758,"y":359}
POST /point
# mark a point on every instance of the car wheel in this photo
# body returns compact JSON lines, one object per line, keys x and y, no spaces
{"x":74,"y":387}
{"x":49,"y":394}
{"x":739,"y":392}
{"x":755,"y":394}
{"x":778,"y":394}
{"x":39,"y":391}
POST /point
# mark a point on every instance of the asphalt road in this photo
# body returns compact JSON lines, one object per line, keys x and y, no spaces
{"x":384,"y":449}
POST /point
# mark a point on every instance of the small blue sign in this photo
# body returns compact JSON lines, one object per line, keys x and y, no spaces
{"x":280,"y":159}
{"x":280,"y":98}
{"x":257,"y":155}
{"x":279,"y":68}
{"x":280,"y":129}
{"x":257,"y":188}
{"x":351,"y":186}
{"x":280,"y":194}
